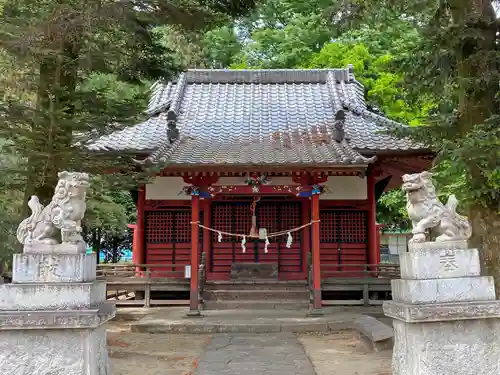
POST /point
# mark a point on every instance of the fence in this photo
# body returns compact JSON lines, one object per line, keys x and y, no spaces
{"x":133,"y":284}
{"x":371,"y":280}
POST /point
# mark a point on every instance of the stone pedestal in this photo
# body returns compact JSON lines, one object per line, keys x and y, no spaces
{"x":446,"y":318}
{"x":52,"y":316}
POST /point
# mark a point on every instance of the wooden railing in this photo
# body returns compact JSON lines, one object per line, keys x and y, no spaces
{"x":373,"y":280}
{"x":370,"y":279}
{"x":137,"y":281}
{"x":386,"y":270}
{"x":132,"y":284}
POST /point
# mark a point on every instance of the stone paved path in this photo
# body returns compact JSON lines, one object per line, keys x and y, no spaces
{"x":255,"y":354}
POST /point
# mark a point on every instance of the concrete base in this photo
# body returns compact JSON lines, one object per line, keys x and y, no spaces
{"x":446,"y":318}
{"x":376,"y":333}
{"x":52,"y":316}
{"x":315,"y":312}
{"x":51,"y":296}
{"x":436,"y":312}
{"x":194,"y":314}
{"x":460,"y":289}
{"x":53,"y":268}
{"x":62,"y":248}
{"x":439,"y":264}
{"x":468,"y":347}
{"x":174,"y":320}
{"x":54,"y":352}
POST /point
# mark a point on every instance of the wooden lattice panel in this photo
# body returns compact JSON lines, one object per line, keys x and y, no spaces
{"x":159,"y":227}
{"x":168,"y":226}
{"x":343,"y":226}
{"x":352,"y":226}
{"x":182,"y":226}
{"x":236,"y":217}
{"x":343,"y":241}
{"x":168,"y":240}
{"x":232,"y":218}
{"x":267,"y":217}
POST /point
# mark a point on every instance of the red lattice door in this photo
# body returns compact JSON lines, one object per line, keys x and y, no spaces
{"x":343,"y":243}
{"x":236,"y":217}
{"x":277,"y":217}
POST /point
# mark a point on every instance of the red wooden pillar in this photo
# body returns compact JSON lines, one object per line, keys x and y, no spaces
{"x":306,"y":233}
{"x":316,"y":308}
{"x":379,"y":229}
{"x":140,"y":231}
{"x":207,"y":236}
{"x":195,"y":229}
{"x":373,"y":251}
{"x":134,"y":242}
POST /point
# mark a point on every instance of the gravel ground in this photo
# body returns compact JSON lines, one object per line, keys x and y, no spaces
{"x":339,"y":353}
{"x":344,"y":353}
{"x":153,"y":354}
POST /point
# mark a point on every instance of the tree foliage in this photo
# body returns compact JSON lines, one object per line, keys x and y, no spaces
{"x":73,"y":70}
{"x":456,"y":64}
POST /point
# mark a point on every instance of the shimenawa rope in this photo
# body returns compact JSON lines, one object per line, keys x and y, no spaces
{"x":244,"y":236}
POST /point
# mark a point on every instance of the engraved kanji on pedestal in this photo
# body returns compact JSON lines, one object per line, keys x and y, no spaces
{"x":448,"y":261}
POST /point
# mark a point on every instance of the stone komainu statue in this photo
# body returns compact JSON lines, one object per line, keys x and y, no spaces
{"x":60,"y":221}
{"x":428,"y":214}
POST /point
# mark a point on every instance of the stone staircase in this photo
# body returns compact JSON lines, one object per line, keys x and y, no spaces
{"x":255,"y":286}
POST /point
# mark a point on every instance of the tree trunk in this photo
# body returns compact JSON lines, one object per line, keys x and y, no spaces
{"x":477,"y":59}
{"x":486,"y":238}
{"x":97,"y":234}
{"x":52,"y":132}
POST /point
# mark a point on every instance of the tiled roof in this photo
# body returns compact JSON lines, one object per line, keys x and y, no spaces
{"x":257,"y":117}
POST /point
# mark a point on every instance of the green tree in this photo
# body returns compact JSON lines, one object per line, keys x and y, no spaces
{"x":457,"y":63}
{"x":108,"y":213}
{"x":71,"y":71}
{"x":66,"y":45}
{"x":283,"y":33}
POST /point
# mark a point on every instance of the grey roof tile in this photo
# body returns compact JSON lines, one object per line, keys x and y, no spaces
{"x":259,"y":117}
{"x":143,"y":137}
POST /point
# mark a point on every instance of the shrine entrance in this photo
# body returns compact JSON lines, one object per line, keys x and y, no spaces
{"x":273,"y":215}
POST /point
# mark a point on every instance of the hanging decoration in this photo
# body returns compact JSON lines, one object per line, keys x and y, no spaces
{"x":255,"y":181}
{"x":288,"y":233}
{"x":289,"y":240}
{"x":190,"y":190}
{"x":266,"y":244}
{"x":243,"y":242}
{"x":317,"y":189}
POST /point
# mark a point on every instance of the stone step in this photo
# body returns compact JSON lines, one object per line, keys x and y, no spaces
{"x":255,"y":285}
{"x":255,"y":305}
{"x":256,"y":295}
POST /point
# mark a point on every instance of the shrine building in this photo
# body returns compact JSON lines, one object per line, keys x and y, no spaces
{"x":263,"y":167}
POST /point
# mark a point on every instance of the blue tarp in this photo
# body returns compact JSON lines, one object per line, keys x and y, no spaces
{"x":126,"y":257}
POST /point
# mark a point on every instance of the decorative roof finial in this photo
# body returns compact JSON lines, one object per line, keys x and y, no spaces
{"x":338,"y":128}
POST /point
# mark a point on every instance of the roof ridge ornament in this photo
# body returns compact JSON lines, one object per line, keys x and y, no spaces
{"x":173,"y":111}
{"x":338,"y":127}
